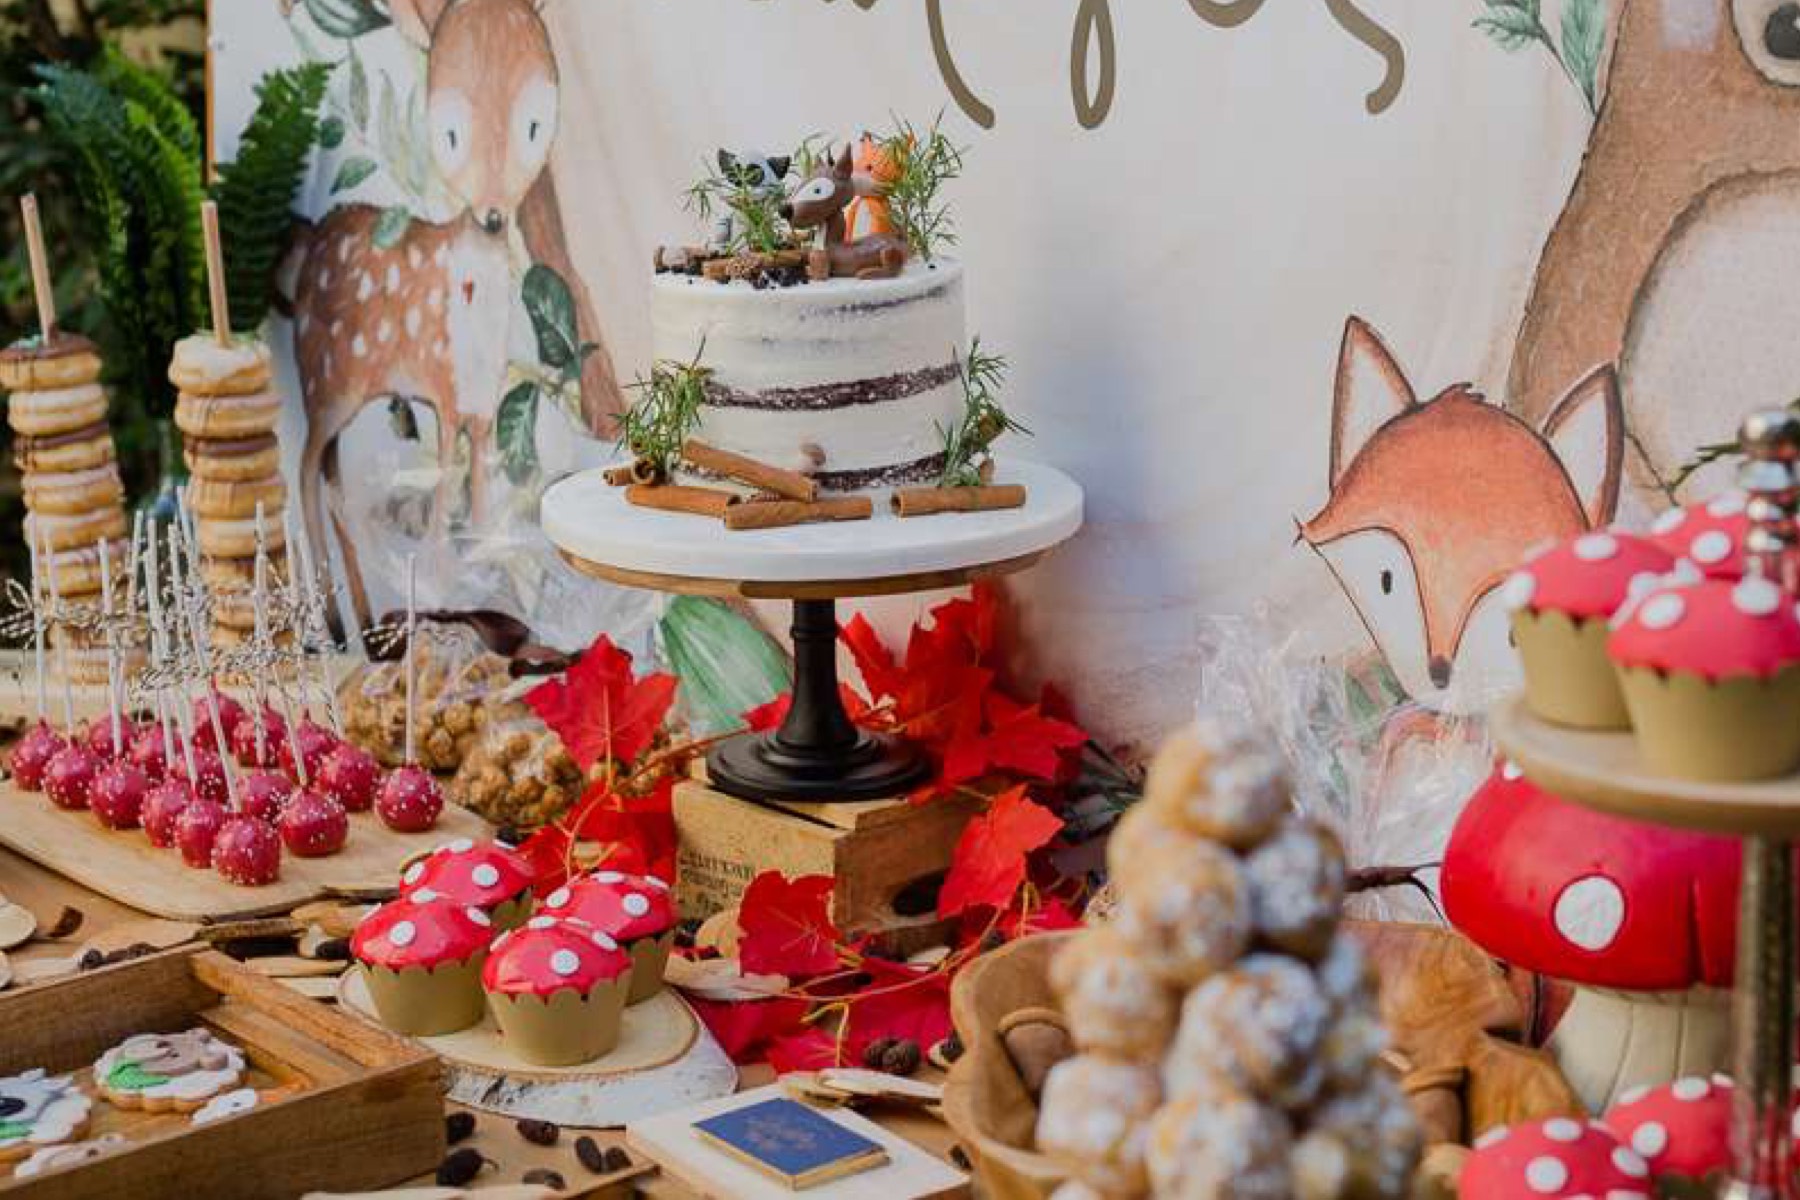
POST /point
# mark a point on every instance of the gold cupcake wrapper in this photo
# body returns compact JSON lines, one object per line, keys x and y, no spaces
{"x":426,"y":1002}
{"x":1737,"y":728}
{"x":649,"y":958}
{"x":1569,"y":680}
{"x":562,"y":1029}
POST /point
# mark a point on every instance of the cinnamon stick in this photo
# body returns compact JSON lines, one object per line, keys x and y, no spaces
{"x":642,"y":470}
{"x":791,"y":484}
{"x":921,"y":502}
{"x":705,"y":502}
{"x":776,"y":514}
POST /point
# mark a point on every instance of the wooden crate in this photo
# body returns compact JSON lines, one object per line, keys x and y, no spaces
{"x":359,"y":1108}
{"x":873,"y":849}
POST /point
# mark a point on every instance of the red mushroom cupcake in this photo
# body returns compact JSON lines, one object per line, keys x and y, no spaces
{"x":636,"y":910}
{"x":423,"y":964}
{"x":1681,"y":1129}
{"x":1711,"y":675}
{"x":1561,"y":601}
{"x":557,"y":989}
{"x":1558,"y":1157}
{"x":485,"y":874}
{"x":1710,"y":534}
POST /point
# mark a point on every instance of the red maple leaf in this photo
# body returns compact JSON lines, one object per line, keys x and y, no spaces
{"x":901,"y":1001}
{"x":988,"y":864}
{"x":599,"y":710}
{"x":880,"y":674}
{"x":1014,"y":737}
{"x":786,"y":926}
{"x":812,"y":1050}
{"x":622,"y":833}
{"x":743,"y":1028}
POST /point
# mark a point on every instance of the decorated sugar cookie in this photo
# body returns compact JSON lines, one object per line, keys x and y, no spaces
{"x":227,"y":1104}
{"x":160,"y":1072}
{"x":57,"y":1158}
{"x":37,"y":1110}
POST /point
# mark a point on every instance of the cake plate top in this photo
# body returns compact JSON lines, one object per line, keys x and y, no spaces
{"x":1604,"y":771}
{"x":592,"y":525}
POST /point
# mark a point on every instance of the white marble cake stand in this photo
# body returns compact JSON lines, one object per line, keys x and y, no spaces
{"x":817,"y":754}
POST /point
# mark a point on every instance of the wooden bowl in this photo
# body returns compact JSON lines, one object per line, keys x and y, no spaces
{"x":984,"y":1101}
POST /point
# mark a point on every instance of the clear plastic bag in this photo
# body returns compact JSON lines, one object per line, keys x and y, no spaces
{"x":458,"y":679}
{"x":517,"y":775}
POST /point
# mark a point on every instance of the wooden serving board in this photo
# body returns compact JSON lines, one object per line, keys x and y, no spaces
{"x":124,"y":866}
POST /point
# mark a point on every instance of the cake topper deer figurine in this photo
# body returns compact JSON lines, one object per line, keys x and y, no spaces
{"x":820,"y":202}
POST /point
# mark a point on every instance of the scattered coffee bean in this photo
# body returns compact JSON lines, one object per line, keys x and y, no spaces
{"x":90,"y":959}
{"x":541,"y":1133}
{"x":951,"y":1047}
{"x":66,"y":923}
{"x":902,"y":1058}
{"x":588,"y":1152}
{"x":544,"y":1177}
{"x":875,"y":1053}
{"x":460,"y":1166}
{"x":615,"y":1159}
{"x":960,"y":1157}
{"x":458,"y":1126}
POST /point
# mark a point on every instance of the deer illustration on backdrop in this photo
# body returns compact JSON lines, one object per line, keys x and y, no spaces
{"x":427,"y":316}
{"x":820,"y":201}
{"x":1433,"y":502}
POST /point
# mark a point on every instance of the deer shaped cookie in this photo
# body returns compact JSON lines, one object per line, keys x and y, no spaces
{"x":427,"y":317}
{"x":1674,"y":254}
{"x":820,"y":202}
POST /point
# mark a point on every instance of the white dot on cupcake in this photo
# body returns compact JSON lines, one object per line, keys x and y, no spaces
{"x":1510,"y":771}
{"x":1492,"y":1137}
{"x":412,"y":873}
{"x":565,"y":962}
{"x":557,"y":899}
{"x":479,"y":916}
{"x":1662,"y":611}
{"x":461,"y":846}
{"x":1546,"y":1176}
{"x":1596,"y":547}
{"x":1629,"y":1163}
{"x":1650,"y":1139}
{"x":608,"y":877}
{"x":1561,"y":1129}
{"x":403,"y":933}
{"x":604,"y":941}
{"x":1728,"y":505}
{"x":485,"y":875}
{"x":1690,"y":1088}
{"x":635,"y":905}
{"x":1518,"y":589}
{"x":541,"y":922}
{"x":1668,"y":521}
{"x":1711,"y":547}
{"x":1755,"y":596}
{"x":1643,"y":583}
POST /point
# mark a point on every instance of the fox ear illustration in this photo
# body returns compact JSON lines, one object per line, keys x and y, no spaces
{"x":1370,"y":391}
{"x":1586,"y":431}
{"x":416,"y":19}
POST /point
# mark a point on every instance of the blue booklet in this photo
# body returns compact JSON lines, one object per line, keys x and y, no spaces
{"x":788,"y":1141}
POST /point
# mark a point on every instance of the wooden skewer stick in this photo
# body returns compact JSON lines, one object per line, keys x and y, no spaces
{"x":112,"y":648}
{"x":300,"y":567}
{"x":184,"y":708}
{"x":38,"y":597}
{"x":215,"y":273}
{"x":159,"y":644}
{"x":259,"y":615}
{"x":190,"y":569}
{"x":412,"y":630}
{"x":40,"y":267}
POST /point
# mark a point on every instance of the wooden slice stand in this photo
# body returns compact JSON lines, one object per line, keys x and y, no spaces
{"x":1606,"y":771}
{"x":665,"y":1060}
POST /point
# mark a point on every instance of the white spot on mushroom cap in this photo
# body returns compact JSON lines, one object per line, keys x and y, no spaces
{"x":403,"y":933}
{"x":1662,"y":611}
{"x":1650,"y":1139}
{"x":1684,"y":574}
{"x":1516,"y":593}
{"x":1596,"y":547}
{"x":635,"y":905}
{"x":1628,"y":1162}
{"x":479,"y":916}
{"x":541,"y":922}
{"x":1546,"y":1175}
{"x":1589,"y":912}
{"x":565,"y":962}
{"x":604,"y":940}
{"x":412,"y":873}
{"x":1690,"y":1088}
{"x":1642,"y":584}
{"x":1728,"y":504}
{"x":1511,"y":771}
{"x":424,"y":896}
{"x":461,"y":846}
{"x":608,"y":877}
{"x":1755,"y":596}
{"x":557,"y":899}
{"x":1498,"y":1134}
{"x":1668,"y":521}
{"x":485,"y":875}
{"x":1633,"y":1095}
{"x":1711,"y":547}
{"x":1561,"y":1129}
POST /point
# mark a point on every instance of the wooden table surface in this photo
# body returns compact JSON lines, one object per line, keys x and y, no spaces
{"x":45,"y":893}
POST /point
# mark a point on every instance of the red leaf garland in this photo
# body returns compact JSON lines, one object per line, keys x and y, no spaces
{"x":1016,"y":737}
{"x":600,"y":710}
{"x":988,"y":864}
{"x":786,"y":926}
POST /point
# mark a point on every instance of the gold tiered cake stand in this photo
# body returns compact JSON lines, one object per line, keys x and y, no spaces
{"x":1606,"y":771}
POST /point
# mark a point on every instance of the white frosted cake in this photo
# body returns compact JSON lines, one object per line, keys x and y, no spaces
{"x":852,"y":381}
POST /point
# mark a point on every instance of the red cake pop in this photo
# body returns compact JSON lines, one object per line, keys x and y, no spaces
{"x":244,"y":739}
{"x":69,"y":775}
{"x":40,"y":744}
{"x":247,"y":852}
{"x":209,"y":773}
{"x":314,"y":825}
{"x":410,"y":799}
{"x":263,"y":794}
{"x":147,"y":753}
{"x":230,"y":714}
{"x":196,"y":828}
{"x":316,"y":745}
{"x":117,"y":795}
{"x":162,"y":808}
{"x":99,"y":737}
{"x":350,"y":776}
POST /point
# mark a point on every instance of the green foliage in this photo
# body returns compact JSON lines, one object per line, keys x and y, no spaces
{"x":346,"y":18}
{"x":1516,"y":24}
{"x":727,"y":666}
{"x":926,"y":163}
{"x":759,"y":227}
{"x":969,"y":443}
{"x":255,"y":192}
{"x":551,"y":307}
{"x":661,"y":420}
{"x":515,"y":432}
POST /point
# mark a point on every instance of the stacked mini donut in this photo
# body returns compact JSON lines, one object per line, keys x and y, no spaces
{"x":1229,"y":1044}
{"x":64,"y":449}
{"x":227,"y":412}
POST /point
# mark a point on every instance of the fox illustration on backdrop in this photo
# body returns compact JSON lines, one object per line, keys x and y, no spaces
{"x":1433,"y":502}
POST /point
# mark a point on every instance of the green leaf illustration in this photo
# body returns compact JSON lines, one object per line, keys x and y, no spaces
{"x":352,"y":171}
{"x":359,"y":94}
{"x":515,"y":432}
{"x":726,"y":665}
{"x":1583,"y":38}
{"x":1511,"y":27}
{"x":552,"y":311}
{"x":346,"y":18}
{"x":331,"y":133}
{"x":390,"y":226}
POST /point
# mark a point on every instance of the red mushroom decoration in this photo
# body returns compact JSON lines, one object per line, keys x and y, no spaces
{"x":1682,"y":1128}
{"x":1557,"y":1157}
{"x":485,"y":875}
{"x":1640,"y":918}
{"x":1710,"y":535}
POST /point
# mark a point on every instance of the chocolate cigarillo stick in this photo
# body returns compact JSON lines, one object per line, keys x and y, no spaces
{"x":62,"y":648}
{"x":112,"y":646}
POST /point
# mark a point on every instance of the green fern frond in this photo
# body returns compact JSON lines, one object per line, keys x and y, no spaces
{"x":150,"y":91}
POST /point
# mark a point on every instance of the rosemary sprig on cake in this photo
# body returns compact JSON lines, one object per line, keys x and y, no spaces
{"x":656,"y":427}
{"x":759,"y":228}
{"x":926,"y":163}
{"x":969,"y":443}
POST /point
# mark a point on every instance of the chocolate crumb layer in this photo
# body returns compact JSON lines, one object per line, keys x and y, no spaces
{"x":826,"y":396}
{"x":920,"y":470}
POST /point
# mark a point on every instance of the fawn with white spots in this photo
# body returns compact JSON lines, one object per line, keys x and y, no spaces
{"x":427,"y":317}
